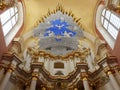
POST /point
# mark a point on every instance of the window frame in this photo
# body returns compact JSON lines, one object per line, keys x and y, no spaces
{"x":11,"y":12}
{"x":105,"y":19}
{"x":12,"y":33}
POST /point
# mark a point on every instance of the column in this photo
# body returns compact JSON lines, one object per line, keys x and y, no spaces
{"x":33,"y":83}
{"x":2,"y":73}
{"x":85,"y":83}
{"x":84,"y":77}
{"x":8,"y":74}
{"x":113,"y":80}
{"x":34,"y":80}
{"x":117,"y":74}
{"x":6,"y":79}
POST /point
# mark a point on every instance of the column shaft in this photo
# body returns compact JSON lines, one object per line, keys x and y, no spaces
{"x":6,"y":79}
{"x":33,"y":83}
{"x":113,"y":81}
{"x":86,"y":84}
{"x":117,"y":76}
{"x":1,"y":73}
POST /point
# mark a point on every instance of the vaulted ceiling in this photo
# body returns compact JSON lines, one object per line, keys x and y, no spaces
{"x":84,"y":9}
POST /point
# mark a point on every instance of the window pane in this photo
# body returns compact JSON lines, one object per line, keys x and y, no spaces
{"x":5,"y":16}
{"x":113,"y":32}
{"x":105,"y":24}
{"x":12,"y":11}
{"x":15,"y":8}
{"x":115,"y":20}
{"x":103,"y":12}
{"x":16,"y":17}
{"x":102,"y":18}
{"x":107,"y":14}
{"x":13,"y":21}
{"x":7,"y":27}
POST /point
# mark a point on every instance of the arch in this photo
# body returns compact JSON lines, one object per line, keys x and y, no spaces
{"x":59,"y":73}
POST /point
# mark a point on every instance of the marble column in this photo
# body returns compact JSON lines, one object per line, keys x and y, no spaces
{"x":8,"y":74}
{"x":113,"y":80}
{"x":85,"y":83}
{"x":33,"y":83}
{"x":34,"y":79}
{"x":2,"y":73}
{"x":6,"y":79}
{"x":117,"y":76}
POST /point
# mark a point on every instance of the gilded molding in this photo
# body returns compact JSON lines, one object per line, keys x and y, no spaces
{"x":41,"y":53}
{"x":60,"y":8}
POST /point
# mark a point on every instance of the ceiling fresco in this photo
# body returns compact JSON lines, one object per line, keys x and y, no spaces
{"x":59,"y":33}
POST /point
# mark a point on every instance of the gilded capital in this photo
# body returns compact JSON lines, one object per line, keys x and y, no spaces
{"x":84,"y":78}
{"x":43,"y":88}
{"x":106,"y":69}
{"x":34,"y":78}
{"x":35,"y":75}
{"x":109,"y":72}
{"x":9,"y":70}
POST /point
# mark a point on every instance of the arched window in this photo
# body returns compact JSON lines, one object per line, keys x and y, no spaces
{"x":111,"y":22}
{"x":11,"y":21}
{"x":8,"y":19}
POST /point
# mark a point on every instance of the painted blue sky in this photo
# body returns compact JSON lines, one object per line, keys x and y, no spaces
{"x":59,"y":28}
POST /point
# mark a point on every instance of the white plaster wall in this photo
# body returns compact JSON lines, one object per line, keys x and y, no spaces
{"x":69,"y":66}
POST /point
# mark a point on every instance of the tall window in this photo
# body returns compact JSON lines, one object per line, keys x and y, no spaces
{"x":111,"y":22}
{"x":8,"y":19}
{"x":12,"y":21}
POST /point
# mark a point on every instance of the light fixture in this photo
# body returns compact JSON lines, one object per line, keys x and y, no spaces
{"x":6,"y":3}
